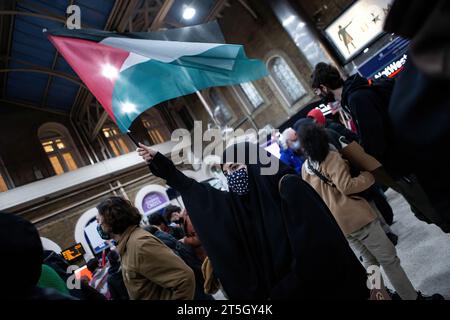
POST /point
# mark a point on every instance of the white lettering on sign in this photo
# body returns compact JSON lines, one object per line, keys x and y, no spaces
{"x":392,"y":68}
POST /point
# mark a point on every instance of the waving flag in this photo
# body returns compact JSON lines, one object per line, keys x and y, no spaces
{"x":130,"y":72}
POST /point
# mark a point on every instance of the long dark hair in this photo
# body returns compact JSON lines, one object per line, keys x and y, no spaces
{"x":119,"y":214}
{"x":314,"y":142}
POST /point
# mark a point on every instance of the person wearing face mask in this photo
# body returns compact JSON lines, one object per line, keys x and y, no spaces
{"x":151,"y":271}
{"x":290,"y":150}
{"x":265,"y":243}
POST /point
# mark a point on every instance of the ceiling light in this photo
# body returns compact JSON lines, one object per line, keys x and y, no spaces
{"x":188,"y":13}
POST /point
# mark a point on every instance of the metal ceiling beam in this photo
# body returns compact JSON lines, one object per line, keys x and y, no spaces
{"x":30,"y":106}
{"x":11,"y":29}
{"x":101,"y":121}
{"x":159,"y":19}
{"x":216,"y":10}
{"x":248,"y":8}
{"x":45,"y":71}
{"x":50,"y":78}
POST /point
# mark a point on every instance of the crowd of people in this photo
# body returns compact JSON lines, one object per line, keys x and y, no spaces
{"x":311,"y":230}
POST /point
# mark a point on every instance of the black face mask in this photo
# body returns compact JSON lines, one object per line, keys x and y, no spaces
{"x":327,"y":97}
{"x":104,"y":235}
{"x":238,"y":182}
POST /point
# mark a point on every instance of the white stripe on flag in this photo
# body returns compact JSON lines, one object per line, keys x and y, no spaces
{"x":164,"y":51}
{"x":132,"y":60}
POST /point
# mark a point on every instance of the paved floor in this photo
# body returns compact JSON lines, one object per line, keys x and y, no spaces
{"x":424,"y":250}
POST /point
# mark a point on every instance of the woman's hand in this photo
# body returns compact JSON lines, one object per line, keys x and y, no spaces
{"x":146,"y":153}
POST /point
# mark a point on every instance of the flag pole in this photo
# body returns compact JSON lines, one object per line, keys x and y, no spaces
{"x":207,"y":107}
{"x":132,"y":138}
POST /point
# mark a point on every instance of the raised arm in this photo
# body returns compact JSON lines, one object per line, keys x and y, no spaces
{"x":164,"y":168}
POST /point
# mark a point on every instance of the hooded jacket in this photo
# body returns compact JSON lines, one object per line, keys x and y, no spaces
{"x":369,"y":110}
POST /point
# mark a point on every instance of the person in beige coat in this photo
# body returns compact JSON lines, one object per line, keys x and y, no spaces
{"x":151,"y":271}
{"x":329,"y":174}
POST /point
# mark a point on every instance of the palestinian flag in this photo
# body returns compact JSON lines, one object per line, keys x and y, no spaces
{"x":130,"y":72}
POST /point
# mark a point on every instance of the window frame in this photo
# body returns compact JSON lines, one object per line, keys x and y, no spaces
{"x":290,"y":109}
{"x":53,"y":131}
{"x":224,"y":100}
{"x":250,"y":107}
{"x":114,"y":139}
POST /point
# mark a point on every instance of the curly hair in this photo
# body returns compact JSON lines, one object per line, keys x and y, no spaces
{"x":314,"y":141}
{"x":119,"y":214}
{"x":327,"y":75}
{"x":169,"y":211}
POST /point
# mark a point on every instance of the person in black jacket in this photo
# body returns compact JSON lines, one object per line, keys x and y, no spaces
{"x":420,"y":104}
{"x":116,"y":285}
{"x":368,"y":104}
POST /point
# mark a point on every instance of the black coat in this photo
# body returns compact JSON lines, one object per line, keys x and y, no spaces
{"x":246,"y":237}
{"x":116,"y":286}
{"x":420,"y":104}
{"x":322,"y":255}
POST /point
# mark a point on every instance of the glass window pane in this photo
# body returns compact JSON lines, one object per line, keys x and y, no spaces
{"x":222,"y":112}
{"x":286,"y":80}
{"x":48,"y":147}
{"x":123,"y":145}
{"x":60,"y":145}
{"x":106,"y":133}
{"x":3,"y":186}
{"x":56,"y":165}
{"x":69,"y":161}
{"x":252,"y":94}
{"x":114,"y":148}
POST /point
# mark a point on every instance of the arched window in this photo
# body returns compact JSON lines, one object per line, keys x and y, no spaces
{"x":221,"y":110}
{"x":156,"y":126}
{"x":287,"y":82}
{"x":3,"y":185}
{"x":5,"y":179}
{"x":116,"y":140}
{"x":59,"y":147}
{"x":252,"y":94}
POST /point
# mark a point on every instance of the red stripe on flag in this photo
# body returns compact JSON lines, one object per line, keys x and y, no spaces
{"x":96,"y":64}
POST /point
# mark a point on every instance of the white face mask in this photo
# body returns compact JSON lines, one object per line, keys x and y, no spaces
{"x":295,"y":145}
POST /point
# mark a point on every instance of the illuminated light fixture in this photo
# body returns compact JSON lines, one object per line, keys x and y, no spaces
{"x":188,"y":13}
{"x":288,"y":20}
{"x":128,"y":107}
{"x":366,"y":50}
{"x":109,"y":71}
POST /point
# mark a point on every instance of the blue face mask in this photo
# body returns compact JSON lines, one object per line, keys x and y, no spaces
{"x":295,"y":145}
{"x":104,"y":235}
{"x":238,"y":182}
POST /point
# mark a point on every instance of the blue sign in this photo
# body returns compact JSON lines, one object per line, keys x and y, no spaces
{"x":388,"y":62}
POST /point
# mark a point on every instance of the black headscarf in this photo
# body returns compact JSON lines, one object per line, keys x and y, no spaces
{"x":324,"y":265}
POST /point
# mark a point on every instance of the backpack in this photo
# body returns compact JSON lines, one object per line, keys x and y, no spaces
{"x":383,"y":88}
